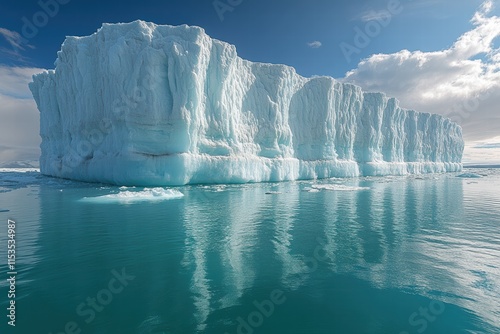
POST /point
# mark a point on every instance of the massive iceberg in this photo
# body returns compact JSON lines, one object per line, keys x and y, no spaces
{"x":144,"y":104}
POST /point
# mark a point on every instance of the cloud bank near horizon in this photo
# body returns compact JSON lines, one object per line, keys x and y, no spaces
{"x":20,"y":125}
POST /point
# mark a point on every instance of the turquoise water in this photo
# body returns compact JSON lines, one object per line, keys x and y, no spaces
{"x":390,"y":255}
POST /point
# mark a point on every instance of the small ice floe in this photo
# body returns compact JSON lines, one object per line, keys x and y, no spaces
{"x":338,"y":187}
{"x":311,"y":190}
{"x":146,"y":195}
{"x":470,"y":176}
{"x":220,"y":188}
{"x":213,"y":188}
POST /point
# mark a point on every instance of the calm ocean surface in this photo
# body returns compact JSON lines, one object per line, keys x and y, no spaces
{"x":394,"y":255}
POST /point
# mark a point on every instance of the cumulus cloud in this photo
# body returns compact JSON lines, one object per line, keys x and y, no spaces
{"x":315,"y":44}
{"x":19,"y":125}
{"x":461,"y":82}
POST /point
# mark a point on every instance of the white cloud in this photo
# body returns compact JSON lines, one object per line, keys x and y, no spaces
{"x":315,"y":44}
{"x":19,"y":126}
{"x":15,"y":81}
{"x":486,"y":7}
{"x":17,"y":42}
{"x":373,"y":15}
{"x":420,"y":8}
{"x":13,"y":37}
{"x":462,"y":82}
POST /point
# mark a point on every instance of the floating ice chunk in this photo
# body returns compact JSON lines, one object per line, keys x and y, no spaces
{"x":470,"y":175}
{"x":339,"y":187}
{"x":148,"y":194}
{"x":311,"y":190}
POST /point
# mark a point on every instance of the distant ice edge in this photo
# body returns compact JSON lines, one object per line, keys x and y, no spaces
{"x":142,"y":104}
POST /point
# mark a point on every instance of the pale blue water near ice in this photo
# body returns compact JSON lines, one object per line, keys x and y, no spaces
{"x":394,"y":255}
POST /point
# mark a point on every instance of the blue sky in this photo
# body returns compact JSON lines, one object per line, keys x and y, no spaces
{"x":378,"y":44}
{"x":262,"y":30}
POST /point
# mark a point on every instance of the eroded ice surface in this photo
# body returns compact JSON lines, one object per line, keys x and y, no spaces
{"x":142,"y":104}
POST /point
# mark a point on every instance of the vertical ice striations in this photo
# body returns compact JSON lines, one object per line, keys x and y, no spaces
{"x":141,"y":104}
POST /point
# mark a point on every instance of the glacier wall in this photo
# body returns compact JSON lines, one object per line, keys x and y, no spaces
{"x":142,"y":104}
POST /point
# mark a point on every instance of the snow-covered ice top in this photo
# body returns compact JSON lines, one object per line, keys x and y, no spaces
{"x":146,"y":104}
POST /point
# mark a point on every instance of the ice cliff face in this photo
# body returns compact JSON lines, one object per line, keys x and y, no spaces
{"x":141,"y":104}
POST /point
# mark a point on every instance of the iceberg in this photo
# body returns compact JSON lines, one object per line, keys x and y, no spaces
{"x":158,"y":105}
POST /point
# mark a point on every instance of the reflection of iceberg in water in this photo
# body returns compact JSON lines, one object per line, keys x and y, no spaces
{"x":197,"y":223}
{"x":374,"y":234}
{"x":342,"y":244}
{"x":409,"y":234}
{"x":285,"y":217}
{"x":220,"y":246}
{"x":370,"y":229}
{"x":202,"y":261}
{"x":222,"y":243}
{"x":239,"y":241}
